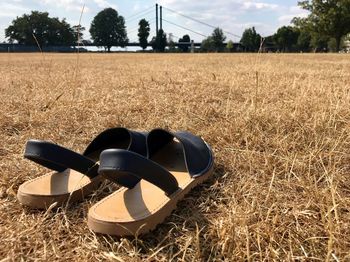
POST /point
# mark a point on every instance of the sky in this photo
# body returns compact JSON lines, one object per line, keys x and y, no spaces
{"x":233,"y":16}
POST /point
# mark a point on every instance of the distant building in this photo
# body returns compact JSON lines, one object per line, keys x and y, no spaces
{"x":7,"y":47}
{"x":347,"y":43}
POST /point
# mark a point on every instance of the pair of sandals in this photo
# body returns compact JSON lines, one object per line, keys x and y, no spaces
{"x":155,"y":170}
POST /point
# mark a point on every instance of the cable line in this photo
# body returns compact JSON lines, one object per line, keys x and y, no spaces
{"x":176,"y":36}
{"x":184,"y":28}
{"x":198,"y":21}
{"x":139,"y":13}
{"x":139,"y":17}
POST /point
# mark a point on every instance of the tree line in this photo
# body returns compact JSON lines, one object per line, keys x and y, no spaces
{"x":326,"y":28}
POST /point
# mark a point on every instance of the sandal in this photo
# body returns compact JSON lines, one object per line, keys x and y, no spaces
{"x":175,"y":163}
{"x":74,"y":175}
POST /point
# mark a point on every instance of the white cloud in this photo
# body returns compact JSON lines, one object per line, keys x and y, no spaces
{"x":296,"y":9}
{"x":69,"y":5}
{"x":105,"y":4}
{"x":136,"y":7}
{"x":259,"y":6}
{"x":286,"y":19}
{"x":232,"y":6}
{"x":293,"y":11}
{"x":8,"y":12}
{"x":11,"y":10}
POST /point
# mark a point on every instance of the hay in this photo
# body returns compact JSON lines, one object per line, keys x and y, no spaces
{"x":279,"y":126}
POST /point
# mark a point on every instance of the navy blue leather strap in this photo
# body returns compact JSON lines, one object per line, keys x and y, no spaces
{"x":117,"y":165}
{"x":59,"y":158}
{"x":136,"y":140}
{"x":198,"y":155}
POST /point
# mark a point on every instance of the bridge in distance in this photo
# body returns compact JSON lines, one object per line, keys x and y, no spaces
{"x":159,"y":21}
{"x":177,"y":44}
{"x":6,"y":47}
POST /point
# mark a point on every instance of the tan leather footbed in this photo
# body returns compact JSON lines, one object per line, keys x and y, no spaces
{"x":42,"y":191}
{"x":121,"y":212}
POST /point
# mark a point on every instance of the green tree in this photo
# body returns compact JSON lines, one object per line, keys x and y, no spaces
{"x":143,"y":34}
{"x":159,"y":42}
{"x":218,"y":39}
{"x":330,"y":18}
{"x":230,"y":46}
{"x":208,"y":44}
{"x":286,"y":38}
{"x":185,"y":39}
{"x":332,"y":44}
{"x":251,"y":40}
{"x":108,"y":29}
{"x":304,"y":41}
{"x":39,"y":28}
{"x":319,"y":42}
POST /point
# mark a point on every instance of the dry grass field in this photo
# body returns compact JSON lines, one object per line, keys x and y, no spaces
{"x":279,"y":126}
